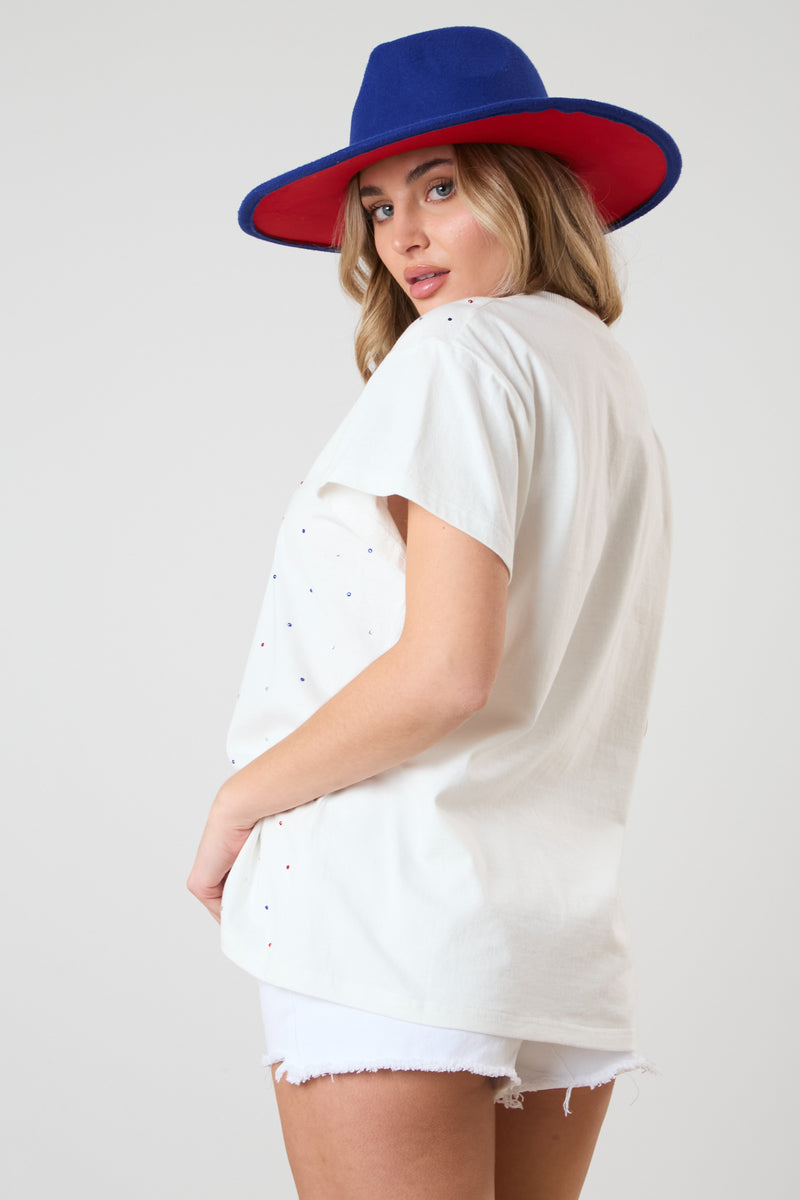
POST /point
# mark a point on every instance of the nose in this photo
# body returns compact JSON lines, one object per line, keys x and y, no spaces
{"x":408,"y":229}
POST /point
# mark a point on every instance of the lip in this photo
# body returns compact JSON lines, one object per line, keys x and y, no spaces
{"x":420,"y":288}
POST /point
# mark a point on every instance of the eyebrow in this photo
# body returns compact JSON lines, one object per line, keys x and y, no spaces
{"x":414,"y":174}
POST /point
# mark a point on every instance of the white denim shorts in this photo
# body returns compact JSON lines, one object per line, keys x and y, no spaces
{"x":311,"y":1037}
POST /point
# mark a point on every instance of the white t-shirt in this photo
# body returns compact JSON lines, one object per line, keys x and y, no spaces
{"x":475,"y":886}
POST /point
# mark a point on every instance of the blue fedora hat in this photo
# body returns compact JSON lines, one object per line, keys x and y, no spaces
{"x":466,"y":84}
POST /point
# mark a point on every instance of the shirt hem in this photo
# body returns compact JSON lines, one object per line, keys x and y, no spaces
{"x":469,"y":1017}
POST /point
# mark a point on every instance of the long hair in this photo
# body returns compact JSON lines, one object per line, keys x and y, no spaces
{"x":534,"y":205}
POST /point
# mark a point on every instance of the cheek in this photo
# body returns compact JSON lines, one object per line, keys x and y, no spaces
{"x":384,"y":248}
{"x":488,"y":258}
{"x":467,"y":234}
{"x":500,"y":260}
{"x":480,"y":251}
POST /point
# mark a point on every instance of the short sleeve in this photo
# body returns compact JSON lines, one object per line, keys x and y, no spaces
{"x":444,"y":428}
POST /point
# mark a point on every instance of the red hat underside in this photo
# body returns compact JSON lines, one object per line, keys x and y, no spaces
{"x":622,"y":168}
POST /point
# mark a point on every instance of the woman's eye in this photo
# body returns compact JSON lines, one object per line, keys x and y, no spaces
{"x":443,"y":189}
{"x":381,"y":212}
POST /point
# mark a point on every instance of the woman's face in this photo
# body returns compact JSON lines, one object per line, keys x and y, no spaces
{"x":428,"y":241}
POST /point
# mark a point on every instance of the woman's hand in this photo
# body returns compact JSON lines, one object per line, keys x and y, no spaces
{"x":434,"y":678}
{"x":220,"y":844}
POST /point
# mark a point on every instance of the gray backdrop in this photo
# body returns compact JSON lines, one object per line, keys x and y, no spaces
{"x":166,"y":381}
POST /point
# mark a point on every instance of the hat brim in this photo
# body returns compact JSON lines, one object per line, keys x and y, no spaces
{"x":628,"y":163}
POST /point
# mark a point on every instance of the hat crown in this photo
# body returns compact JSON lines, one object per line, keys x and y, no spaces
{"x":432,"y":75}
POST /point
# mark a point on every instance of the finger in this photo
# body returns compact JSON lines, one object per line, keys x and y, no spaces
{"x":209,"y":896}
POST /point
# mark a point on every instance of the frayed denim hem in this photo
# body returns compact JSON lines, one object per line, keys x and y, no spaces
{"x":511,"y":1095}
{"x":509,"y":1090}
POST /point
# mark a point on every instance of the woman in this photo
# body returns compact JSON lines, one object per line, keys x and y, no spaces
{"x":444,"y":705}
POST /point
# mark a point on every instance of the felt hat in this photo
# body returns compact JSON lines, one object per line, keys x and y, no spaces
{"x":466,"y":84}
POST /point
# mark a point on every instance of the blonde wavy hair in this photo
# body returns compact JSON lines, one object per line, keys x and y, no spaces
{"x":535,"y":206}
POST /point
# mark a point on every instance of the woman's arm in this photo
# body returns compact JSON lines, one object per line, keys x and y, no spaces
{"x":439,"y":672}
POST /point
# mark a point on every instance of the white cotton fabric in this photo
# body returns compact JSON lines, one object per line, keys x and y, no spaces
{"x":475,"y":886}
